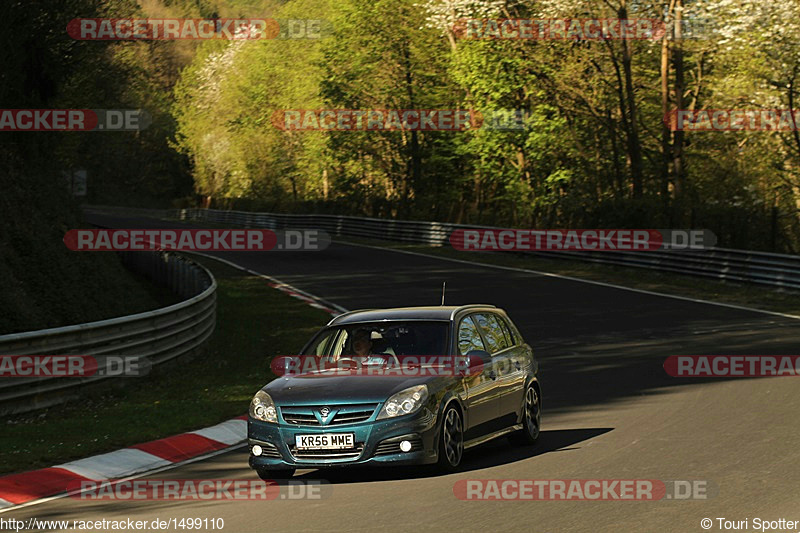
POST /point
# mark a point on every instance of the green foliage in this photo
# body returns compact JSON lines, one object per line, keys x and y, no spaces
{"x":593,"y":149}
{"x":571,"y":163}
{"x":46,"y":285}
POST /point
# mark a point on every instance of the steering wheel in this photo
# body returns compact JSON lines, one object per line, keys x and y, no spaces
{"x":390,"y":358}
{"x":351,"y":364}
{"x":358,"y":363}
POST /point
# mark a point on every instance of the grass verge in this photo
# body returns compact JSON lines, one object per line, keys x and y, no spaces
{"x":254,"y":323}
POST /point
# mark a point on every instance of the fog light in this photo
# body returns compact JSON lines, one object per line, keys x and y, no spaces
{"x":405,"y":446}
{"x":257,"y":450}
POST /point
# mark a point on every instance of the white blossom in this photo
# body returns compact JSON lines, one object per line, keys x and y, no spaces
{"x":444,"y":14}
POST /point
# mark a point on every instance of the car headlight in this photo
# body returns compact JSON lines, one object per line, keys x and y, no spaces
{"x":405,"y":402}
{"x":263,"y":408}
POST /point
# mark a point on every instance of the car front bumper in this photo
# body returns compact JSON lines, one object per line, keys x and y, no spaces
{"x":377,"y":443}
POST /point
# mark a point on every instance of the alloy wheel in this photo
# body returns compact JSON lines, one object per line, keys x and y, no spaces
{"x":453,"y":437}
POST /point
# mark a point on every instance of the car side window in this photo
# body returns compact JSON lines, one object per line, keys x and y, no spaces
{"x":492,"y":332}
{"x":468,"y":337}
{"x":507,"y":330}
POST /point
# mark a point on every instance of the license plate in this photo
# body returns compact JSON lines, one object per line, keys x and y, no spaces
{"x":326,"y":441}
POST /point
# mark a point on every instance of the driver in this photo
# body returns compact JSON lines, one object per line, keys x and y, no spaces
{"x":362,"y":343}
{"x":364,"y":351}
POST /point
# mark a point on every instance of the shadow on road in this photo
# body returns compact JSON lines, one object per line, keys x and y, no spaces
{"x":596,"y":344}
{"x":495,"y":453}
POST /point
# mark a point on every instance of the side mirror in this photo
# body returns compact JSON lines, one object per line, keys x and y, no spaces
{"x":479,"y":358}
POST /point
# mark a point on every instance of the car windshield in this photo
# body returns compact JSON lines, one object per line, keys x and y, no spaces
{"x":379,"y":342}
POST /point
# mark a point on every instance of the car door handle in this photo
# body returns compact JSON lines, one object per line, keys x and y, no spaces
{"x":492,"y":374}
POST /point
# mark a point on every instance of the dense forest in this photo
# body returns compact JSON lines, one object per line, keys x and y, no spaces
{"x":594,"y":149}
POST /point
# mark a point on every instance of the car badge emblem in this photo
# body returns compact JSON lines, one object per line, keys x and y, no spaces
{"x":325,"y":411}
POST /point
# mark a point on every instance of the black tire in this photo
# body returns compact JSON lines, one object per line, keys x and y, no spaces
{"x":451,"y":439}
{"x":531,"y":419}
{"x":268,"y":475}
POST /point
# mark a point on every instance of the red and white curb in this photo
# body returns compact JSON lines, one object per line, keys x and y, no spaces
{"x":300,"y":295}
{"x":27,"y":487}
{"x":294,"y":292}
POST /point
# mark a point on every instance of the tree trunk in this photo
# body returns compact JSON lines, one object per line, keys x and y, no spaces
{"x":634,"y":143}
{"x":678,"y":158}
{"x":414,"y":173}
{"x":666,"y":132}
{"x":618,"y":187}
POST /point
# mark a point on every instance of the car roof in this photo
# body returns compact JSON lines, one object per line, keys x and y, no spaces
{"x":443,"y":312}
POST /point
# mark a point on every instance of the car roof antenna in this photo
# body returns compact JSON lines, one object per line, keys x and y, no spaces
{"x":444,"y":285}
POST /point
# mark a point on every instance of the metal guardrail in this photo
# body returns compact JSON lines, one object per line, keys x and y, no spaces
{"x":768,"y":269}
{"x":774,"y":270}
{"x":153,"y":337}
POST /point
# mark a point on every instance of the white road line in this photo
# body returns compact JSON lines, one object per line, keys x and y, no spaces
{"x":129,"y":461}
{"x":527,"y":271}
{"x":283,"y":285}
{"x":579,"y":280}
{"x":108,"y":466}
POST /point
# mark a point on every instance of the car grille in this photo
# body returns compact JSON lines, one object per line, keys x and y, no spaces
{"x":350,"y":453}
{"x":390,"y":446}
{"x":346,"y":414}
{"x":300,"y":419}
{"x":352,"y":417}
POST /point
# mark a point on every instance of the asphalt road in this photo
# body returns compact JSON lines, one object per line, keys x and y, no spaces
{"x":610,"y":410}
